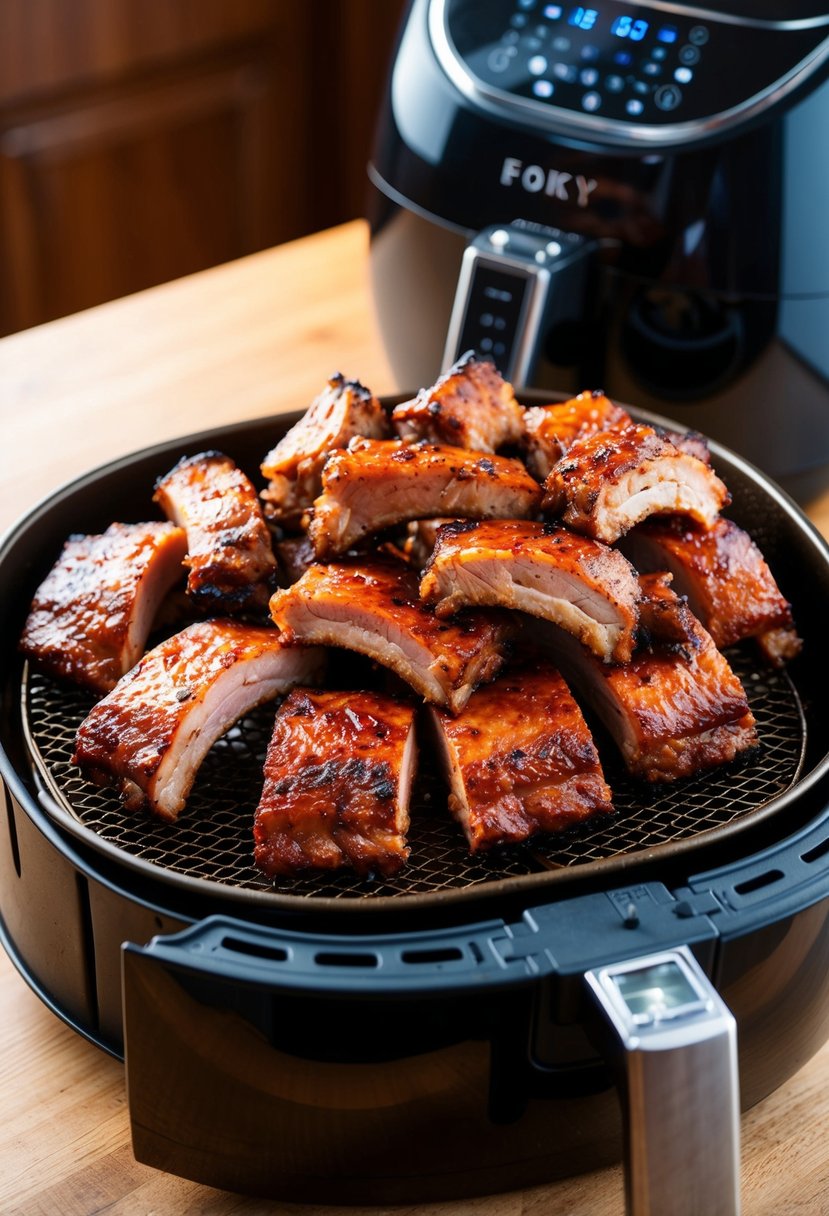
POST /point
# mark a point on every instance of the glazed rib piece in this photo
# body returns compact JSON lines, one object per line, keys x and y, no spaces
{"x":421,"y":538}
{"x":373,"y":607}
{"x":729,"y":586}
{"x":377,"y":483}
{"x":549,"y":431}
{"x":676,"y":708}
{"x":343,"y":409}
{"x":91,"y":616}
{"x":471,"y":406}
{"x":578,"y":583}
{"x":229,"y":553}
{"x":338,"y":776}
{"x":520,"y":760}
{"x":616,"y":478}
{"x":151,"y":733}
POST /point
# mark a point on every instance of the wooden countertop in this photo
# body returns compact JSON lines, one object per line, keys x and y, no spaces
{"x":241,"y":341}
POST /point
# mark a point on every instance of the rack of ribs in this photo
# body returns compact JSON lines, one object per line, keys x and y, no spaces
{"x":338,"y":778}
{"x":520,"y":760}
{"x":149,"y":735}
{"x":615,"y":478}
{"x":343,"y":409}
{"x":549,"y":431}
{"x":372,"y":606}
{"x":471,"y":406}
{"x":229,"y":554}
{"x":91,"y":616}
{"x":376,"y":484}
{"x":582,"y":585}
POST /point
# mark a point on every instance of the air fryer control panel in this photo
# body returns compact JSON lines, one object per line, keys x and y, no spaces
{"x":638,"y":64}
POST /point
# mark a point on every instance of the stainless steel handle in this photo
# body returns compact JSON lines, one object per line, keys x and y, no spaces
{"x":674,"y":1044}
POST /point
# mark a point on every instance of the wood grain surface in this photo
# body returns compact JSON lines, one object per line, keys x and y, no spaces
{"x":241,"y":341}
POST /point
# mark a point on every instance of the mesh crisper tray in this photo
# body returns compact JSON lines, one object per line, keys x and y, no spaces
{"x":212,"y":839}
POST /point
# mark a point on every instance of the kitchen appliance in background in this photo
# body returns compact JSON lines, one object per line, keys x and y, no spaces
{"x":627,"y":196}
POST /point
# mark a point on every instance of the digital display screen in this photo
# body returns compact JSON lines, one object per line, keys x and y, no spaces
{"x":654,"y":989}
{"x":630,"y":27}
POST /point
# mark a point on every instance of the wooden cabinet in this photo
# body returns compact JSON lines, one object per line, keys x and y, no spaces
{"x":141,"y":140}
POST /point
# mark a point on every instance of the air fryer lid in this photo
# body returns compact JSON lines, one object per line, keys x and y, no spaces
{"x":209,"y":849}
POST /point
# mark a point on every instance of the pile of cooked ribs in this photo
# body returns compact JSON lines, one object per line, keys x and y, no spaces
{"x":498,"y":566}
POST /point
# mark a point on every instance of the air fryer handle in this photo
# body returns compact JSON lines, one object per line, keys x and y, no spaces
{"x":523,"y":293}
{"x":674,"y":1044}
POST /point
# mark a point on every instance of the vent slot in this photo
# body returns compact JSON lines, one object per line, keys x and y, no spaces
{"x":332,"y":958}
{"x":815,"y":854}
{"x":448,"y":954}
{"x":757,"y":883}
{"x":273,"y":954}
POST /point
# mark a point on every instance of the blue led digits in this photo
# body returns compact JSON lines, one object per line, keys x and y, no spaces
{"x":583,"y":18}
{"x":630,"y":27}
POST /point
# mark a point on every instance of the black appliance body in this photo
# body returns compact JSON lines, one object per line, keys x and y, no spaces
{"x":329,"y":1040}
{"x":627,"y":196}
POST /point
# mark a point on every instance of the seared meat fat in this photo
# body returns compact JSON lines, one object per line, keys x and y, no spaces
{"x":373,"y":607}
{"x":376,"y":483}
{"x":590,"y":590}
{"x":520,"y":760}
{"x":471,"y":406}
{"x":91,"y":616}
{"x":338,"y":776}
{"x":229,"y":553}
{"x":151,"y":733}
{"x":549,"y":431}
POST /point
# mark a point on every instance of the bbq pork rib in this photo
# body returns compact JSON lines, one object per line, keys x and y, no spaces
{"x":229,"y":554}
{"x":588,"y":589}
{"x":471,"y":406}
{"x":338,"y":777}
{"x":376,"y":484}
{"x":91,"y":615}
{"x":520,"y":760}
{"x":676,"y":708}
{"x":729,"y":586}
{"x":151,"y":733}
{"x":373,"y":607}
{"x":614,"y":479}
{"x":343,"y":409}
{"x":549,"y":431}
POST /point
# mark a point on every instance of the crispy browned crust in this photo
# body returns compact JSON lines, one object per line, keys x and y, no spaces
{"x":613,"y":479}
{"x":91,"y":615}
{"x":372,"y":606}
{"x":336,"y":789}
{"x":471,"y":406}
{"x":229,"y":553}
{"x":377,"y":484}
{"x":550,"y":430}
{"x":521,"y":760}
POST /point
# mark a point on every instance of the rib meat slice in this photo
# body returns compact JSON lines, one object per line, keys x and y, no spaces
{"x":550,"y":430}
{"x":520,"y":760}
{"x":229,"y":553}
{"x":676,"y":708}
{"x":471,"y":406}
{"x":151,"y":733}
{"x":338,"y":776}
{"x":378,"y":483}
{"x":590,"y":590}
{"x":373,"y":607}
{"x":613,"y":479}
{"x":726,"y":579}
{"x":343,"y":409}
{"x":91,"y":615}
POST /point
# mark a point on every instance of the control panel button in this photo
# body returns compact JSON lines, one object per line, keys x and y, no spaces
{"x":689,"y":55}
{"x":683,"y":75}
{"x":591,"y":101}
{"x":698,"y":35}
{"x":635,"y":106}
{"x":518,"y":21}
{"x":589,"y":76}
{"x":537,"y":65}
{"x":668,"y":96}
{"x":543,"y":89}
{"x":552,"y":11}
{"x":561,"y":44}
{"x":499,"y":60}
{"x":651,"y":69}
{"x":659,"y":53}
{"x":614,"y":84}
{"x":589,"y":53}
{"x":565,"y":72}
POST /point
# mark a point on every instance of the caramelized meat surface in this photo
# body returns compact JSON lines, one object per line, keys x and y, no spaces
{"x":376,"y":484}
{"x":373,"y":607}
{"x":229,"y":554}
{"x":729,"y":586}
{"x":590,"y":590}
{"x":520,"y":760}
{"x":151,"y":733}
{"x":676,"y":708}
{"x":471,"y":406}
{"x":614,"y":479}
{"x":91,"y":616}
{"x":343,"y":409}
{"x":549,"y":431}
{"x":338,"y":776}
